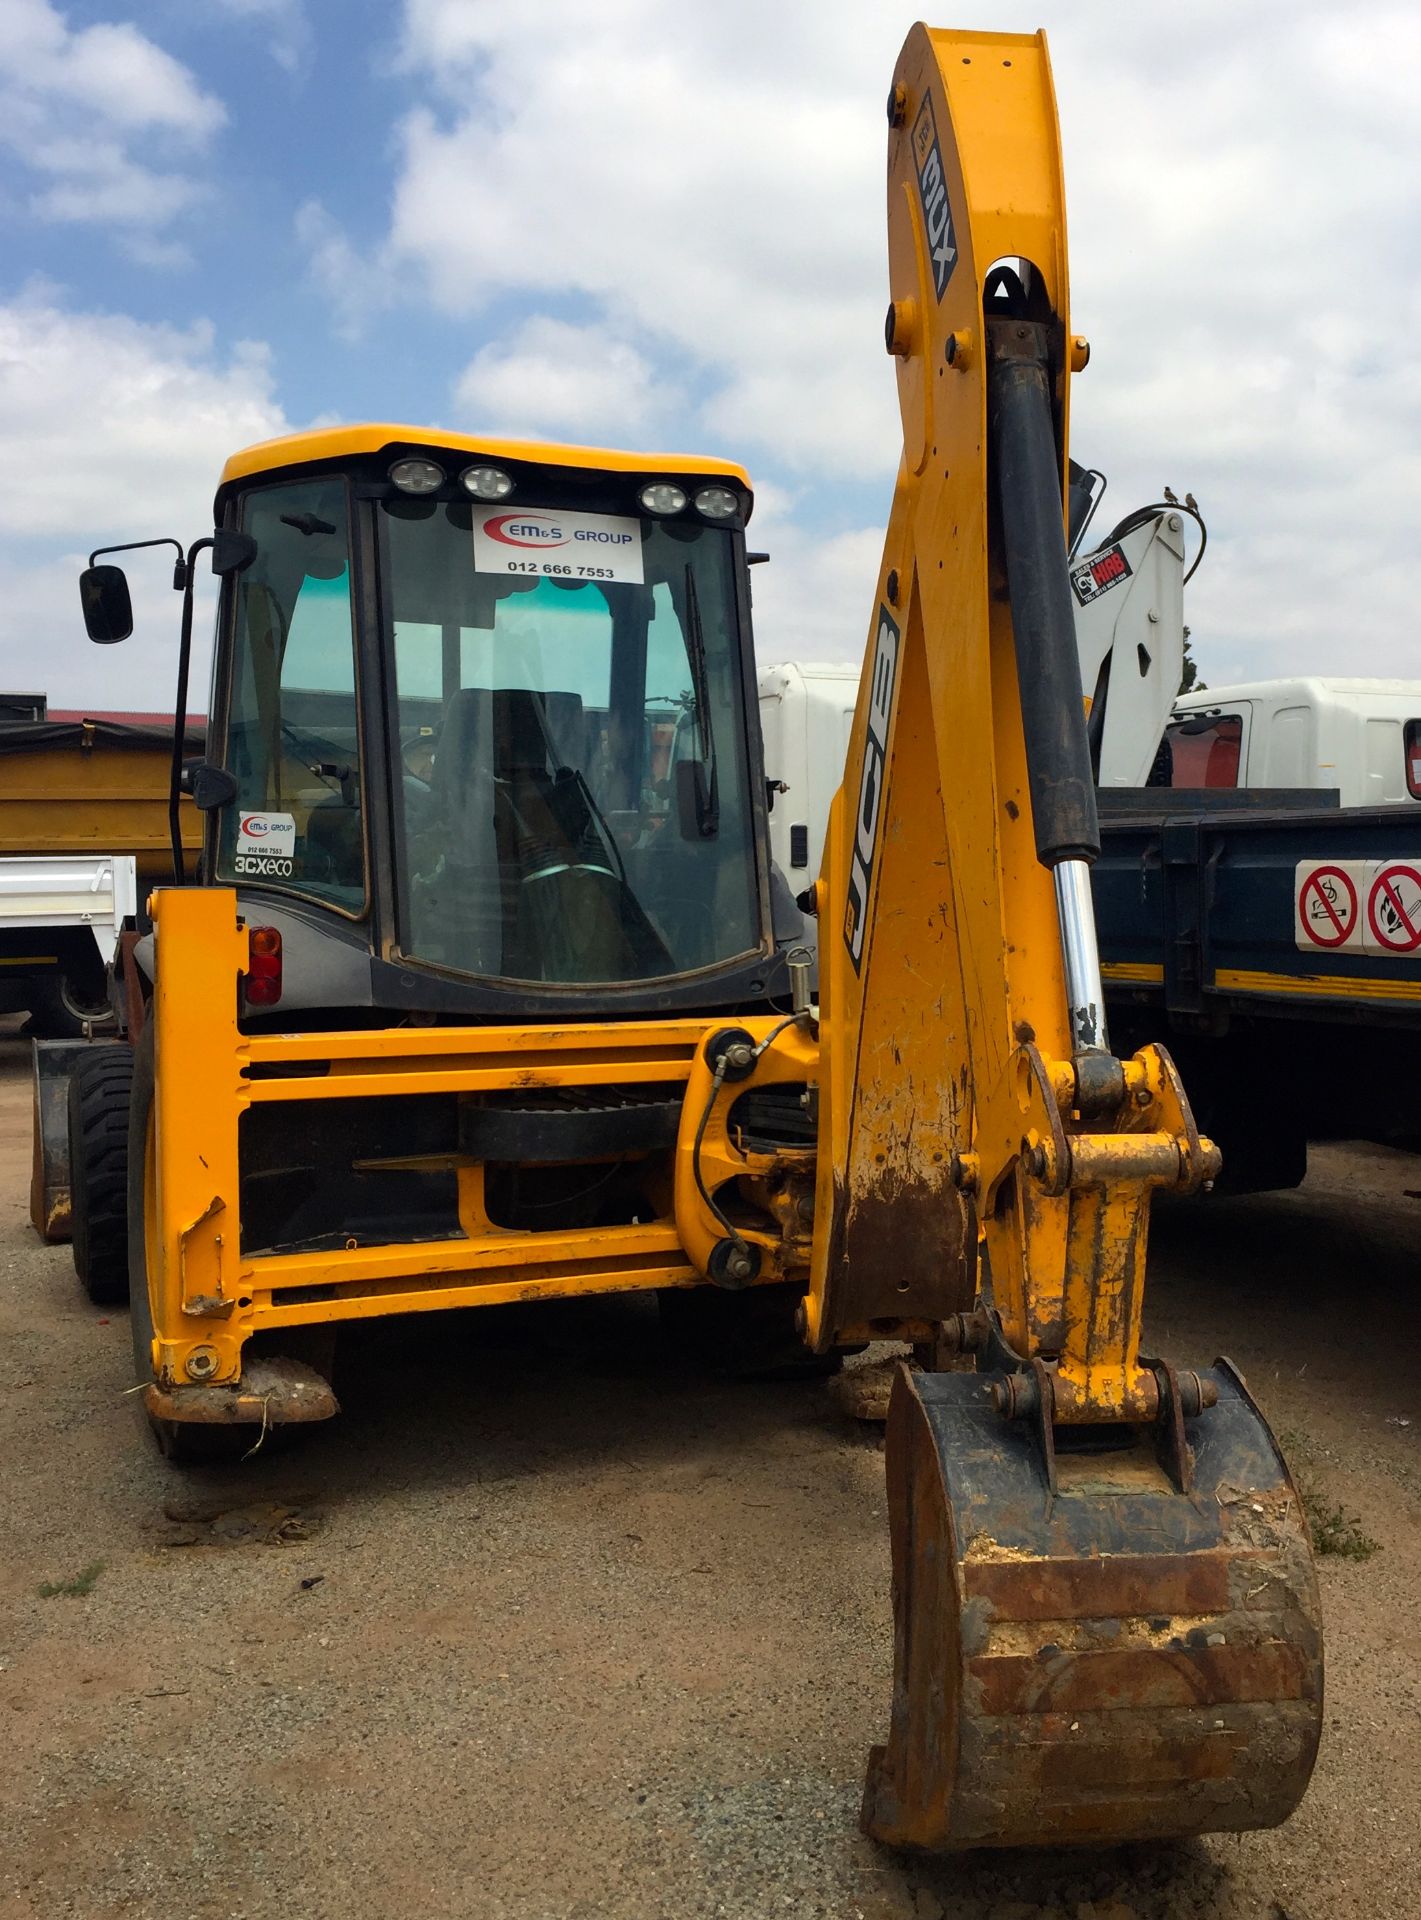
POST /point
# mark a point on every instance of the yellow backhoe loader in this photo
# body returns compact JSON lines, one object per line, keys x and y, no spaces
{"x":488,"y":992}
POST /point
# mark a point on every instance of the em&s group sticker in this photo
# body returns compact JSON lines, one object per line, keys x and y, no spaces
{"x":564,"y":546}
{"x":266,"y":845}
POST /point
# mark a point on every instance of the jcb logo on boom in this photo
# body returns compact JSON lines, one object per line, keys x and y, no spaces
{"x":932,"y":190}
{"x":869,"y":815}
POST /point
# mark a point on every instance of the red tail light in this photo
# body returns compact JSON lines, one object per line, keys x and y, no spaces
{"x":263,"y":966}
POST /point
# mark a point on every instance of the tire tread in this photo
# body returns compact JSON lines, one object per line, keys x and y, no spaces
{"x":99,"y":1090}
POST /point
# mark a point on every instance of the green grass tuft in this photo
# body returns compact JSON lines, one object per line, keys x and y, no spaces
{"x":1331,"y":1527}
{"x":1336,"y":1531}
{"x":82,"y":1583}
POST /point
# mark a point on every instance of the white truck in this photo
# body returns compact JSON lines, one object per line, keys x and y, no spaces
{"x":1362,"y":737}
{"x":60,"y":918}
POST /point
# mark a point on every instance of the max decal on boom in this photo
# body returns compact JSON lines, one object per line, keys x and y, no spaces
{"x":932,"y":189}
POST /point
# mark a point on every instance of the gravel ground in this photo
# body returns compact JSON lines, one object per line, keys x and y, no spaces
{"x":548,"y":1625}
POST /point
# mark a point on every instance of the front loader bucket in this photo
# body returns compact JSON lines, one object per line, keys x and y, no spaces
{"x":50,"y":1171}
{"x":1118,"y":1661}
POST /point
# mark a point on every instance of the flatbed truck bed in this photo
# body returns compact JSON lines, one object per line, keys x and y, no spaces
{"x":1272,"y":940}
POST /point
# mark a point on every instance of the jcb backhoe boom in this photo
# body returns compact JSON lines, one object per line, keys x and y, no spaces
{"x":1089,"y":1643}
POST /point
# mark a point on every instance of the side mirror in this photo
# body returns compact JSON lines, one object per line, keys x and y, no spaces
{"x":108,"y":611}
{"x":210,"y":787}
{"x":231,"y":551}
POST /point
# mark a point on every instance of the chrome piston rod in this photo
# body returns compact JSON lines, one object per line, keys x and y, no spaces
{"x":1085,"y":996}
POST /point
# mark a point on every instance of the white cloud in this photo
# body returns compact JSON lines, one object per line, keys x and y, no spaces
{"x":706,"y":187}
{"x":355,"y":287}
{"x":95,"y":180}
{"x":120,"y":431}
{"x":288,"y":31}
{"x":676,"y":194}
{"x":110,"y":69}
{"x":685,"y":210}
{"x":562,"y":382}
{"x":89,"y":111}
{"x":812,"y":598}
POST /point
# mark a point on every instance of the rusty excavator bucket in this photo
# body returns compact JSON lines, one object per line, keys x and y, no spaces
{"x":1105,"y":1610}
{"x":1115,"y":1660}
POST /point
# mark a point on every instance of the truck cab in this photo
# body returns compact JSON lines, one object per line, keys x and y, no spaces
{"x":1362,"y":737}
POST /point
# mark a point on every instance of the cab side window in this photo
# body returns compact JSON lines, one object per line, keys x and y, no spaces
{"x":293,"y":741}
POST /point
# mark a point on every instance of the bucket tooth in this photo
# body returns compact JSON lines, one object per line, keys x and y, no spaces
{"x":1110,"y":1663}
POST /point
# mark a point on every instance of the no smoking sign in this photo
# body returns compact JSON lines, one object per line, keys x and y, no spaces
{"x":1327,"y":903}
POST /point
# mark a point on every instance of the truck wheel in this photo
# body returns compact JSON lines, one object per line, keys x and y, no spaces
{"x":750,"y":1334}
{"x":99,"y":1087}
{"x":61,"y":1008}
{"x":184,"y":1443}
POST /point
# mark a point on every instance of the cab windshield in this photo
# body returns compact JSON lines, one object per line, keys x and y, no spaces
{"x":573,"y":799}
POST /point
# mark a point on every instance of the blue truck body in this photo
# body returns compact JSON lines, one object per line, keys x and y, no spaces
{"x":1280,"y":1040}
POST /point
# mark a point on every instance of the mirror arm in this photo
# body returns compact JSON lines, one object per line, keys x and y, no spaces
{"x":182,"y":569}
{"x":231,"y":552}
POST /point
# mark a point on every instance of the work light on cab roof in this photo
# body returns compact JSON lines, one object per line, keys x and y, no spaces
{"x":417,"y":476}
{"x":662,"y":497}
{"x":487,"y":483}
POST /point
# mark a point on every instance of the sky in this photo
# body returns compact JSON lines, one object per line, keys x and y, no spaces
{"x":662,"y":226}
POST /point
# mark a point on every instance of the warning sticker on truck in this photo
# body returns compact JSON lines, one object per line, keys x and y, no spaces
{"x":1394,"y":909}
{"x":561,"y":546}
{"x":1098,"y":573}
{"x":1326,"y":903}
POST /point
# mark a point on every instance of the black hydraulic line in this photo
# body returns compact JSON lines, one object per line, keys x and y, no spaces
{"x":1028,"y":485}
{"x":1095,"y":725}
{"x":1082,"y":499}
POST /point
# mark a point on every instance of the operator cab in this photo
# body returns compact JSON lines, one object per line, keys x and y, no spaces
{"x":488,"y":712}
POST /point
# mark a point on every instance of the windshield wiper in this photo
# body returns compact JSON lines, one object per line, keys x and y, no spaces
{"x":707,"y":786}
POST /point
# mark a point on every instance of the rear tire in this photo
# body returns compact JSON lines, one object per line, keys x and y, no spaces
{"x":99,"y":1089}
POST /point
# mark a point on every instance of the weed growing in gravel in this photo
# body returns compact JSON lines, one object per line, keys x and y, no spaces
{"x":82,"y":1583}
{"x":1334,"y":1531}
